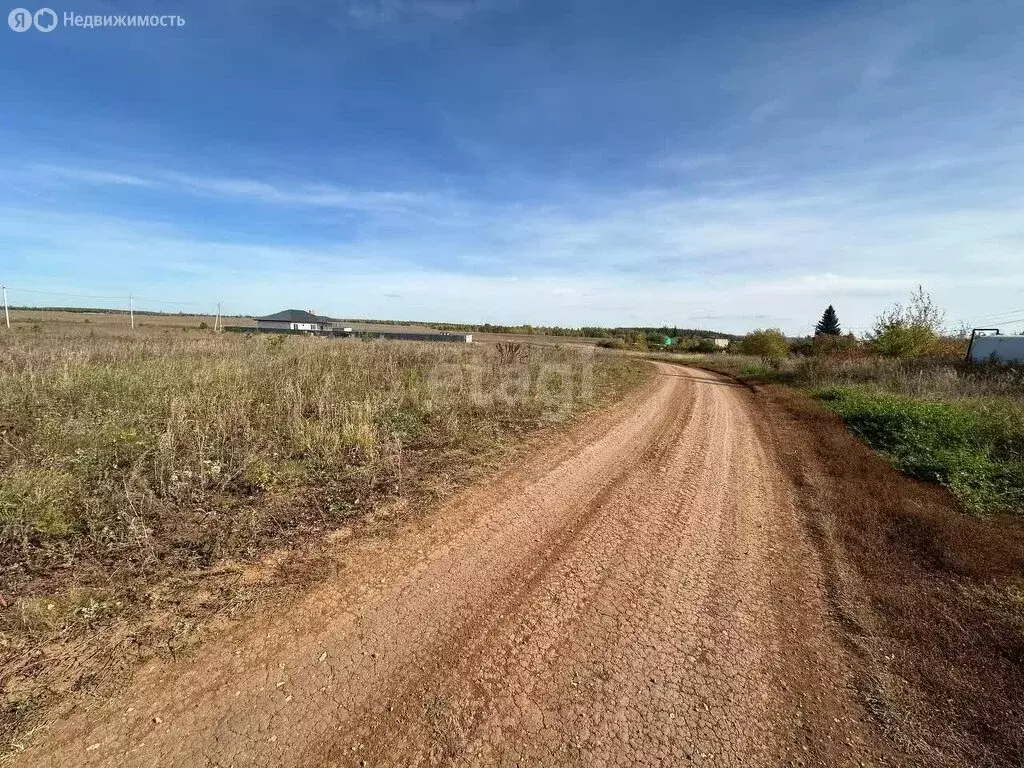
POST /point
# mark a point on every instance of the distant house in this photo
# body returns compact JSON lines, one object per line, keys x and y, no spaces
{"x":294,"y":320}
{"x":721,"y":343}
{"x":300,"y":321}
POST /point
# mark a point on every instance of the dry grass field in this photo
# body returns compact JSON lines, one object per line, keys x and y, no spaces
{"x":104,"y":322}
{"x":99,"y":321}
{"x":156,"y":482}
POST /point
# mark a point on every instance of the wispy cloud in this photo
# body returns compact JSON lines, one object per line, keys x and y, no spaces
{"x":320,"y":195}
{"x":767,"y":109}
{"x":86,"y":176}
{"x":859,"y":222}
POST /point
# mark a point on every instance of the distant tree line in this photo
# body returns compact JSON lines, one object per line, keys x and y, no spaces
{"x":637,"y":337}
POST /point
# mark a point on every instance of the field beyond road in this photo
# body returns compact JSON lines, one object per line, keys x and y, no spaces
{"x":641,"y":591}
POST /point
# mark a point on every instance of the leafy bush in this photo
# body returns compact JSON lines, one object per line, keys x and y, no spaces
{"x":769,"y":343}
{"x":900,"y":339}
{"x":911,"y":331}
{"x":830,"y":344}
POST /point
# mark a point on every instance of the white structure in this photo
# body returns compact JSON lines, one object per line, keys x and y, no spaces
{"x":722,"y":343}
{"x":996,"y":348}
{"x":293,"y":320}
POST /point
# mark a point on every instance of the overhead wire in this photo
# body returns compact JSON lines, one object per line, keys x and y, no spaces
{"x":132,"y":297}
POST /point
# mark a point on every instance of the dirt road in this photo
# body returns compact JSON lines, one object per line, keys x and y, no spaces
{"x":640,"y":592}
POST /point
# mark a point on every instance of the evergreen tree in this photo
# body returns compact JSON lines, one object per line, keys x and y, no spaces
{"x":829,"y":323}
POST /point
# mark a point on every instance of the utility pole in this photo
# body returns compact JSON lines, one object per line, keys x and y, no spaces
{"x":7,"y":314}
{"x":216,"y":323}
{"x":131,"y":310}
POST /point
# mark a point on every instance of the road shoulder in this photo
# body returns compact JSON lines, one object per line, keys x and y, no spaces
{"x":916,"y":587}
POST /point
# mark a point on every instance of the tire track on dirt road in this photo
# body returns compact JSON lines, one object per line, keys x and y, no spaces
{"x":639,"y":592}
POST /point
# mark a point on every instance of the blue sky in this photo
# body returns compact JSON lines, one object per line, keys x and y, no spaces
{"x":729,"y":165}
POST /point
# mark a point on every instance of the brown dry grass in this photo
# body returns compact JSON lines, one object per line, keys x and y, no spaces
{"x":145,"y":478}
{"x":99,"y":321}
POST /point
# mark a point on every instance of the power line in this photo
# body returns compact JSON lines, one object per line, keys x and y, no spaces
{"x":170,"y":302}
{"x":69,"y":295}
{"x":132,"y":300}
{"x":999,"y":319}
{"x":999,"y":315}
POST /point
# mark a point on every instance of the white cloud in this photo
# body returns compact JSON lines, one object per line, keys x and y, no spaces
{"x":317,"y":195}
{"x":229,"y":188}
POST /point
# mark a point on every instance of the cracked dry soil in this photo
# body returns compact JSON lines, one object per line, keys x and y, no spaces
{"x":639,"y":592}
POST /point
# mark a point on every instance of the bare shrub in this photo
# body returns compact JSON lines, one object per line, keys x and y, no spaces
{"x":511,"y":352}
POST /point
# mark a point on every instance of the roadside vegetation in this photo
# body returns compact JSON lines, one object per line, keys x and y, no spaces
{"x":940,"y":420}
{"x":907,"y":392}
{"x":972,"y":446}
{"x":927,"y":586}
{"x":146,"y":478}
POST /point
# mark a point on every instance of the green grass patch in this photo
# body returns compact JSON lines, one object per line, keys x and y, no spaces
{"x":973,"y":447}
